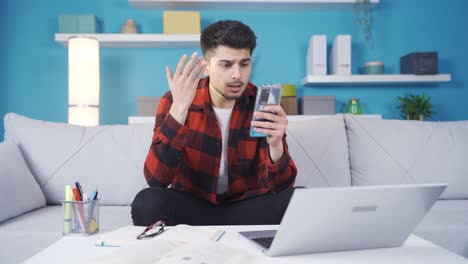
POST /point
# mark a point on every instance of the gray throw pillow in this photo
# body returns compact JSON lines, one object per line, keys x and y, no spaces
{"x":19,"y":191}
{"x":406,"y":152}
{"x":319,"y":148}
{"x":109,"y":158}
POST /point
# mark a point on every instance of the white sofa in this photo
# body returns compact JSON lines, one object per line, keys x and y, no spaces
{"x":38,"y":158}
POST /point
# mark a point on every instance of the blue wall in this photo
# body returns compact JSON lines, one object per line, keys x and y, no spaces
{"x":33,"y":70}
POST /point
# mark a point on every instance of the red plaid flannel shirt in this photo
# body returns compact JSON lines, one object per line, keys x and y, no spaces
{"x":187,"y":157}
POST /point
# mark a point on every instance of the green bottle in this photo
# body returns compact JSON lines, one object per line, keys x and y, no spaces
{"x":354,"y":107}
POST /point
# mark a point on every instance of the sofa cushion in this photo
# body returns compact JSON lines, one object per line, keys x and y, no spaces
{"x":446,"y":225}
{"x":108,"y":158}
{"x":405,"y":152}
{"x":319,"y":149}
{"x":19,"y":191}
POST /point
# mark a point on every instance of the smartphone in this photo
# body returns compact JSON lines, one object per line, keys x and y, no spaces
{"x":269,"y":94}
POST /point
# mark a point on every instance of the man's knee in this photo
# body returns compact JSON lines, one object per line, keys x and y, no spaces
{"x":146,"y":197}
{"x":149,"y":205}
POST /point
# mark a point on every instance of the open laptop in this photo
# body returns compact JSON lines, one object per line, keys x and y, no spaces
{"x":348,"y":218}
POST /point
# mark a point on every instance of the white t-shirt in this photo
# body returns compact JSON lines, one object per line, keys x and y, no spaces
{"x":224,"y":119}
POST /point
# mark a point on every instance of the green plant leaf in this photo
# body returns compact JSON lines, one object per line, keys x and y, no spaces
{"x":411,"y":106}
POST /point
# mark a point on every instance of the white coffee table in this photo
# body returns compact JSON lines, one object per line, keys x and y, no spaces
{"x":415,"y":250}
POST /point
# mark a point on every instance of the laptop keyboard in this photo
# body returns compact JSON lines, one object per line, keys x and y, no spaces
{"x":264,"y":241}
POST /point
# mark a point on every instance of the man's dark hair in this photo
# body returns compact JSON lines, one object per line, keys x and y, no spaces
{"x":233,"y":34}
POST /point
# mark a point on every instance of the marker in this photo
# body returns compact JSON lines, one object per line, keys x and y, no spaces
{"x":68,"y":214}
{"x":79,"y":210}
{"x":76,"y":194}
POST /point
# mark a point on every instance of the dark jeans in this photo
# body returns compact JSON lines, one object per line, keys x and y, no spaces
{"x":176,"y":207}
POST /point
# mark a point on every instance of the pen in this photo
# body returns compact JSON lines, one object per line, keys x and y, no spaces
{"x":221,"y":235}
{"x":103,"y":243}
{"x":91,"y":204}
{"x":93,"y":195}
{"x":78,"y":186}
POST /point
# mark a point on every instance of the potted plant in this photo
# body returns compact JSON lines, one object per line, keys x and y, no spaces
{"x":362,"y":10}
{"x":415,"y":107}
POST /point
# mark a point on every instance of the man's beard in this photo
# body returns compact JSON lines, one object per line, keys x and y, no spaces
{"x":228,"y":96}
{"x":231,"y":97}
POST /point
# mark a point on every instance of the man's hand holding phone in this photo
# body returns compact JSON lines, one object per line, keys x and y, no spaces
{"x":274,"y":127}
{"x":269,"y":119}
{"x":183,"y":85}
{"x":274,"y":123}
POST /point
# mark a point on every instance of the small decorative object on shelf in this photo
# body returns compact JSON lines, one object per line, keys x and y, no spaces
{"x":79,"y":23}
{"x":340,"y":56}
{"x":420,"y":63}
{"x":181,"y":22}
{"x":129,"y":27}
{"x":415,"y":107}
{"x":354,"y":107}
{"x":318,"y":105}
{"x":317,"y":55}
{"x":289,"y":99}
{"x":374,"y":67}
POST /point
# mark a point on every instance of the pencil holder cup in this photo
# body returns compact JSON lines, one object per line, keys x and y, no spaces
{"x":80,"y":217}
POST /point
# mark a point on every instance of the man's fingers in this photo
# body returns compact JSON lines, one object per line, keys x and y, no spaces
{"x":195,"y":68}
{"x":200,"y":72}
{"x":168,"y":74}
{"x":188,"y":66}
{"x":275,"y":108}
{"x":267,"y":131}
{"x":169,"y":77}
{"x":268,"y":116}
{"x":180,"y":65}
{"x":264,"y":124}
{"x":269,"y":125}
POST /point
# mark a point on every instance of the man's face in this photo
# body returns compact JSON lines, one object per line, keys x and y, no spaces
{"x":229,"y":71}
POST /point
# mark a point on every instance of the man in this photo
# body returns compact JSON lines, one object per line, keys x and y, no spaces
{"x":201,"y":149}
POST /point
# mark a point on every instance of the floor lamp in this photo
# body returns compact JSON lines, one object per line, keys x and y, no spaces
{"x":83,"y":81}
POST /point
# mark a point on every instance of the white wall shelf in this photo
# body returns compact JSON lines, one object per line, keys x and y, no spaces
{"x":377,"y":79}
{"x":258,"y":5}
{"x":137,"y":40}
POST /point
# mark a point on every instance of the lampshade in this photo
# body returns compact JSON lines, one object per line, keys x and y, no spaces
{"x":83,"y":81}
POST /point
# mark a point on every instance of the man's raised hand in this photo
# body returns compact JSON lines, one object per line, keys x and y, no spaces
{"x":183,"y":84}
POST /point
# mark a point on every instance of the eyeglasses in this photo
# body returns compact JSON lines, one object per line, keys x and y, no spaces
{"x":152,"y":230}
